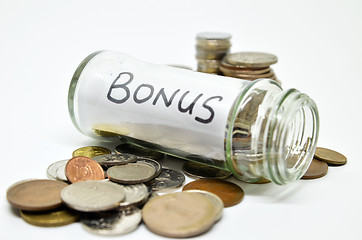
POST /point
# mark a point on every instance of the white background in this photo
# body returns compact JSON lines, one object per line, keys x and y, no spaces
{"x":318,"y":44}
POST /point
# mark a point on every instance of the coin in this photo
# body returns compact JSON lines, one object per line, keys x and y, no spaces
{"x":317,"y":169}
{"x":152,"y":162}
{"x":112,"y":222}
{"x":115,"y":159}
{"x":198,"y":170}
{"x":109,"y":130}
{"x":180,"y":214}
{"x":92,"y":196}
{"x":36,"y":195}
{"x":168,"y":179}
{"x":213,"y":40}
{"x":138,"y":151}
{"x":54,"y":218}
{"x":230,"y":193}
{"x":329,"y":156}
{"x":56,"y":171}
{"x":91,"y":151}
{"x":132,"y":173}
{"x":135,"y":194}
{"x":251,"y":59}
{"x":215,"y":200}
{"x":83,"y":169}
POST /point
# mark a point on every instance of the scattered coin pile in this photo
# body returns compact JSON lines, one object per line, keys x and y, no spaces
{"x":211,"y":48}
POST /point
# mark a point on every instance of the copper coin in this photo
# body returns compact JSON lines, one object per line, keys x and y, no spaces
{"x":82,"y":169}
{"x":36,"y":195}
{"x":329,"y":156}
{"x":317,"y":169}
{"x":230,"y":193}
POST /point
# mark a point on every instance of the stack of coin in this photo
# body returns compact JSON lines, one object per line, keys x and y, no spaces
{"x":249,"y":65}
{"x":211,"y":48}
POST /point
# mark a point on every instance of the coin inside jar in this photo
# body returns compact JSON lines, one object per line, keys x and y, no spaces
{"x":115,"y":159}
{"x":36,"y":195}
{"x":132,"y":173}
{"x":82,"y":168}
{"x":138,"y":151}
{"x":197,"y":170}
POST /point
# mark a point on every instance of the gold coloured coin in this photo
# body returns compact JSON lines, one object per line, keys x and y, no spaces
{"x":91,"y":151}
{"x":109,"y":130}
{"x":180,"y":214}
{"x":251,"y":59}
{"x":55,"y":218}
{"x":329,"y":156}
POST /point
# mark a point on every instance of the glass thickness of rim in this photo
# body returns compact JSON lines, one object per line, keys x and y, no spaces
{"x":261,"y":131}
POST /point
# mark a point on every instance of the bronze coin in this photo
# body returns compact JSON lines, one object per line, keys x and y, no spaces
{"x":36,"y":195}
{"x":317,"y":169}
{"x":329,"y":156}
{"x":230,"y":193}
{"x":82,"y":169}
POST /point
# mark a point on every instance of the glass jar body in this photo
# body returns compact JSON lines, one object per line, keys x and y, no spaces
{"x":210,"y":119}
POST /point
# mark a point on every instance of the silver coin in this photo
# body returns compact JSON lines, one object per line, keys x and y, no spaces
{"x":197,"y":171}
{"x":251,"y":59}
{"x":91,"y":196}
{"x":152,"y":162}
{"x":132,"y":173}
{"x":168,"y":179}
{"x":215,"y":200}
{"x":138,"y":151}
{"x":213,"y":36}
{"x":115,"y":159}
{"x":112,"y":222}
{"x":56,"y":171}
{"x":135,"y":194}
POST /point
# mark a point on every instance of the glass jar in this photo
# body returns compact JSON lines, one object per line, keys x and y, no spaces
{"x":252,"y":128}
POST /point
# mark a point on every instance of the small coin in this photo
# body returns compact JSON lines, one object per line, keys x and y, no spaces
{"x":56,"y":171}
{"x":329,"y":156}
{"x":168,"y":179}
{"x":135,"y":194}
{"x":112,"y":222}
{"x":152,"y":162}
{"x":138,"y":151}
{"x":82,"y":169}
{"x":251,"y":59}
{"x":109,"y":130}
{"x":215,"y":200}
{"x":317,"y":169}
{"x":261,"y":181}
{"x":132,"y":173}
{"x":92,"y":196}
{"x":230,"y":193}
{"x":197,"y":170}
{"x":213,"y":36}
{"x":36,"y":195}
{"x":180,"y":214}
{"x":115,"y":159}
{"x":91,"y":151}
{"x":54,"y":218}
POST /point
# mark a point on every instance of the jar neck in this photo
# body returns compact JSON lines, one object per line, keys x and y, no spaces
{"x":272,"y":134}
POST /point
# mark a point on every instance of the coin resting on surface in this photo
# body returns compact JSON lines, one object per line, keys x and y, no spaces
{"x":91,"y":151}
{"x":230,"y":193}
{"x":330,"y":156}
{"x":91,"y":196}
{"x":151,"y":162}
{"x":54,"y":218}
{"x":36,"y":195}
{"x":109,"y":130}
{"x":180,"y":214}
{"x":198,"y":170}
{"x":56,"y":171}
{"x":251,"y":59}
{"x":115,"y":159}
{"x":135,"y":194}
{"x":131,"y":173}
{"x":114,"y":222}
{"x":82,"y":169}
{"x":168,"y":179}
{"x":317,"y":169}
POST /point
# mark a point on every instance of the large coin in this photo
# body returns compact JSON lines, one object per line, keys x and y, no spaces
{"x":36,"y":195}
{"x":58,"y":217}
{"x":230,"y":193}
{"x":115,"y":159}
{"x":138,"y":151}
{"x":317,"y":169}
{"x":152,"y":162}
{"x":329,"y":156}
{"x":135,"y":194}
{"x":91,"y":196}
{"x":112,"y":222}
{"x":56,"y":171}
{"x":168,"y":179}
{"x":91,"y":151}
{"x":251,"y":59}
{"x":197,"y":170}
{"x":180,"y":214}
{"x":82,"y":169}
{"x":131,"y":173}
